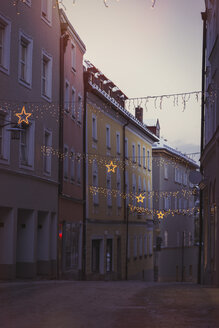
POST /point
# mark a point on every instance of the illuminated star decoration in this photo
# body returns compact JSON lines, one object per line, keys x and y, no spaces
{"x":23,"y":116}
{"x":111,"y":167}
{"x":140,"y":198}
{"x":160,"y":215}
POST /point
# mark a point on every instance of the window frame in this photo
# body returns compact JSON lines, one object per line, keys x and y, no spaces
{"x":28,"y":41}
{"x":94,"y":127}
{"x":47,"y":157}
{"x":47,"y":18}
{"x":118,"y":150}
{"x":108,"y":137}
{"x":6,"y":44}
{"x":65,"y":163}
{"x":48,"y":76}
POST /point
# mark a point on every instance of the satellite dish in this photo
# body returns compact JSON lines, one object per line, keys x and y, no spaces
{"x":195,"y":177}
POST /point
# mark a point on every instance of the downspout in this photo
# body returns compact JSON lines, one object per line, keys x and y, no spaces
{"x":204,"y":18}
{"x":126,"y":214}
{"x":63,"y":43}
{"x":84,"y":242}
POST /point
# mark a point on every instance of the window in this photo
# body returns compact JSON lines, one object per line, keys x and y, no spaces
{"x":148,"y":152}
{"x":27,"y":146}
{"x":150,"y":244}
{"x":47,"y":156}
{"x":4,"y":138}
{"x":96,"y":255}
{"x":149,"y":195}
{"x":139,"y":155}
{"x":79,"y":108}
{"x":144,"y":158}
{"x":5,"y":38}
{"x":134,"y":189}
{"x":118,"y":142}
{"x":73,"y":57}
{"x":165,"y":238}
{"x":95,"y":183}
{"x":118,"y":185}
{"x":28,"y":2}
{"x":140,"y":246}
{"x":66,"y":102}
{"x":127,"y":187}
{"x":139,"y":184}
{"x":108,"y":136}
{"x":109,"y":255}
{"x":135,"y":247}
{"x":46,"y":11}
{"x":108,"y":187}
{"x":72,"y":167}
{"x":145,"y":245}
{"x":71,"y":245}
{"x":78,"y":169}
{"x":25,"y":59}
{"x":133,"y":154}
{"x":185,"y":178}
{"x":94,"y":127}
{"x":166,"y":203}
{"x":73,"y":102}
{"x":46,"y":77}
{"x":126,"y":148}
{"x":190,"y":238}
{"x":65,"y":162}
{"x":144,"y":191}
{"x":165,"y":171}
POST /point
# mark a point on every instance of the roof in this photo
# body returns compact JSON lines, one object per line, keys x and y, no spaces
{"x":121,"y":109}
{"x":161,"y":145}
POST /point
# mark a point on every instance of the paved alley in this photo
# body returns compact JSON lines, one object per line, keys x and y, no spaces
{"x":133,"y":304}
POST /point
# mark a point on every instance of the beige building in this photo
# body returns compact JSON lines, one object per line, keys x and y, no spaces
{"x":29,"y":76}
{"x":118,"y":241}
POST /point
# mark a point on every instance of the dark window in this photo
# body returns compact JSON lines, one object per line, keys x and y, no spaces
{"x":96,"y":255}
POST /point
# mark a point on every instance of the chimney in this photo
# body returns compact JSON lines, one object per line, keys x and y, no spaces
{"x":139,"y":113}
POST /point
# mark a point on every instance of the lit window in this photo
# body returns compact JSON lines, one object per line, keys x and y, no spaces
{"x":46,"y":78}
{"x":25,"y":59}
{"x":5,"y":36}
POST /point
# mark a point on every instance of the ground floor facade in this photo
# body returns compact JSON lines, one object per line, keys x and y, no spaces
{"x":210,"y":193}
{"x":70,"y":238}
{"x":28,"y":227}
{"x":116,"y":250}
{"x":178,"y":264}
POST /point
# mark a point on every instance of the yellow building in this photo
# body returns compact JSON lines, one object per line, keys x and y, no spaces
{"x":118,"y":240}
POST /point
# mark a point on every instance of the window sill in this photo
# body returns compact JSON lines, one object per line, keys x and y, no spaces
{"x":25,"y":84}
{"x":46,"y":20}
{"x":4,"y":70}
{"x":26,"y":166}
{"x":46,"y":98}
{"x":4,"y":160}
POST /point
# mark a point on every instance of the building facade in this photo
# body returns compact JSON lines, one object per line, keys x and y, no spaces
{"x":118,"y":169}
{"x":176,"y":253}
{"x":71,"y":146}
{"x":210,"y":149}
{"x":29,"y":78}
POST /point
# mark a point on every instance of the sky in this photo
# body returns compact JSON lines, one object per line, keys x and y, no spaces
{"x":148,"y":51}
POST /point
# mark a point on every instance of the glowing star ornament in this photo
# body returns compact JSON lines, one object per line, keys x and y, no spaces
{"x":160,"y":215}
{"x":23,"y":116}
{"x":140,"y":198}
{"x":111,"y":167}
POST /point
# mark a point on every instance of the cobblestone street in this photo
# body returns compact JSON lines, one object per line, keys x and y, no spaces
{"x":64,"y":304}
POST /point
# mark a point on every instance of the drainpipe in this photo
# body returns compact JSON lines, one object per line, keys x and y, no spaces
{"x":126,"y":210}
{"x":84,"y":242}
{"x":63,"y":44}
{"x":204,"y":18}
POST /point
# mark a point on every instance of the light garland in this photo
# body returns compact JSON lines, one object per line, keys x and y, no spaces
{"x":141,"y":210}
